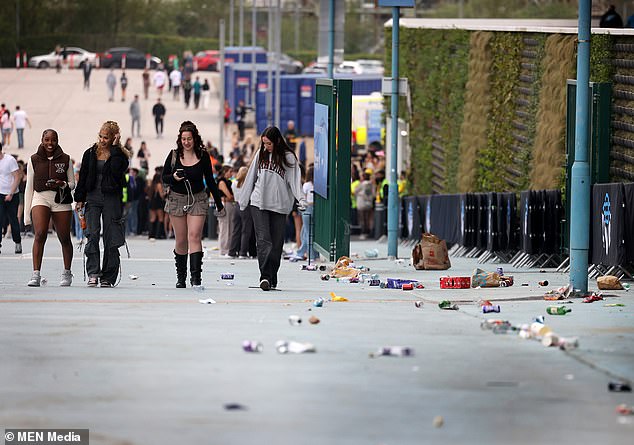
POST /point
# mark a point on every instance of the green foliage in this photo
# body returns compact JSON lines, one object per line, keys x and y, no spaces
{"x":601,"y":55}
{"x":435,"y":63}
{"x":497,"y":155}
{"x":529,"y":9}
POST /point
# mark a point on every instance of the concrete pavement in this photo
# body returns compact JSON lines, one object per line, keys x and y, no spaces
{"x":145,"y":363}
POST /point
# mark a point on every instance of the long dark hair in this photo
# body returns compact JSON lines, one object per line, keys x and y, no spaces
{"x":199,"y":147}
{"x":280,"y":147}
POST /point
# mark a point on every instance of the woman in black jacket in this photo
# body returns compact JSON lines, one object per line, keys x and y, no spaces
{"x":99,"y":193}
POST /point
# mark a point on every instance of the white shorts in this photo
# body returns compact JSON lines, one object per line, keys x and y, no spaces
{"x":47,"y":199}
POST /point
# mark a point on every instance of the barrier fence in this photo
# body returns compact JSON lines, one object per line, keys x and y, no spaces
{"x":526,"y":232}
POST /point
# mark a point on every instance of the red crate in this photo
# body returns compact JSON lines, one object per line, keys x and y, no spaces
{"x":455,"y":282}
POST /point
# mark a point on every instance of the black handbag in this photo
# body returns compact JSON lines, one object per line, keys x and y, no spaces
{"x":63,"y":196}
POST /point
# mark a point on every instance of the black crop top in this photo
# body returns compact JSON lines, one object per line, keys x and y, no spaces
{"x":197,"y":175}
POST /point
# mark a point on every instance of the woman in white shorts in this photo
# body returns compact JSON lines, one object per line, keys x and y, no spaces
{"x":49,"y":181}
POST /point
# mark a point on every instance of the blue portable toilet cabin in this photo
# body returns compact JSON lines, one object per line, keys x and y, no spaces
{"x":232,"y":54}
{"x":238,"y":83}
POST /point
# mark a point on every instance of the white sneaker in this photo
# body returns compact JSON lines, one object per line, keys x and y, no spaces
{"x":67,"y":278}
{"x":35,"y":279}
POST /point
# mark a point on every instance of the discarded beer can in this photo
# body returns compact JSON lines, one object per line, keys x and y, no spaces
{"x":408,"y":286}
{"x":226,"y":276}
{"x":543,"y":283}
{"x":252,"y":346}
{"x":393,"y":351}
{"x":322,"y":268}
{"x":447,"y":305}
{"x":500,"y":271}
{"x":375,"y":282}
{"x":619,"y":387}
{"x":490,"y":308}
{"x":319,"y":302}
{"x":567,"y":344}
{"x":354,"y":279}
{"x":309,"y":267}
{"x":418,"y":304}
{"x":295,"y":320}
{"x":325,"y":277}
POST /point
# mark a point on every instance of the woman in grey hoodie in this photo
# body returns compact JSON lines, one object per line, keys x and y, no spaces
{"x":272,"y":185}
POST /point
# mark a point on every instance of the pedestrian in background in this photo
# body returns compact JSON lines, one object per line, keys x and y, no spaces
{"x":99,"y":193}
{"x":272,"y":185}
{"x":156,"y":193}
{"x":187,"y":91}
{"x":197,"y":87}
{"x":135,"y":114}
{"x":9,"y":199}
{"x":306,"y":247}
{"x":158,"y":111}
{"x":242,"y":239}
{"x":205,"y":94}
{"x":159,"y":79}
{"x":146,"y":83}
{"x":226,"y":223}
{"x":6,"y":123}
{"x":135,"y":185}
{"x":111,"y":82}
{"x":241,"y":115}
{"x":50,"y":179}
{"x":186,"y":170}
{"x":175,"y":81}
{"x":87,"y":71}
{"x":144,"y":156}
{"x":20,"y":118}
{"x":611,"y":19}
{"x":124,"y":85}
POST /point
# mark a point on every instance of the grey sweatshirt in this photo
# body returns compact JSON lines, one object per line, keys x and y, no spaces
{"x":272,"y":188}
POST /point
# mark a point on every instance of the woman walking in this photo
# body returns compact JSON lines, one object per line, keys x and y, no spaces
{"x":99,"y":193}
{"x":272,"y":185}
{"x":186,"y":171}
{"x":157,"y":206}
{"x":49,"y":181}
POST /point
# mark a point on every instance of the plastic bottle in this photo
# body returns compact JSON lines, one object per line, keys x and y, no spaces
{"x":252,"y":346}
{"x":558,"y":310}
{"x":447,"y":305}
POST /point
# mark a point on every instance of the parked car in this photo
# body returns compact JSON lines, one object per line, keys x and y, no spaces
{"x":207,"y":60}
{"x":316,"y":68}
{"x":290,"y":65}
{"x":348,"y":67}
{"x":111,"y":58}
{"x":369,"y":66}
{"x":74,"y":55}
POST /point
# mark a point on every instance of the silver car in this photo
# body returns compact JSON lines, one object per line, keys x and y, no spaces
{"x":74,"y":55}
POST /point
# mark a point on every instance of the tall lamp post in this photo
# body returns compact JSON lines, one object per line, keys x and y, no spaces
{"x":392,"y":200}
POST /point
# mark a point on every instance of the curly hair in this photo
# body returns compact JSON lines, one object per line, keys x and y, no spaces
{"x":280,"y":147}
{"x":199,"y":147}
{"x":113,"y":130}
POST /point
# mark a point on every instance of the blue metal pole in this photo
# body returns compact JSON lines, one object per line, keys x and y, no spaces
{"x":331,"y":38}
{"x":580,"y":182}
{"x":392,"y":197}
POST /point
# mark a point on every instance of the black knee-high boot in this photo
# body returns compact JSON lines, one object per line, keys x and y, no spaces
{"x":181,"y":269}
{"x":196,"y":268}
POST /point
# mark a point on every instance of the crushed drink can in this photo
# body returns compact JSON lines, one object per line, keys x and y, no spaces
{"x":490,"y":308}
{"x":394,"y":351}
{"x":354,"y":279}
{"x":375,"y":282}
{"x":500,"y":271}
{"x":319,"y":302}
{"x":619,"y":387}
{"x":252,"y":346}
{"x":408,"y":286}
{"x":309,"y":267}
{"x":325,"y":277}
{"x":418,"y":304}
{"x":226,"y":276}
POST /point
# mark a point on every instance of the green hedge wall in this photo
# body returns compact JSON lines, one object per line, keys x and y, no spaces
{"x":435,"y":63}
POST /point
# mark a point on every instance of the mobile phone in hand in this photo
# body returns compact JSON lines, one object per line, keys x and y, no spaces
{"x":180,"y":173}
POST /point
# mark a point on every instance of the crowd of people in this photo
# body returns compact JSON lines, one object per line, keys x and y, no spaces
{"x":252,"y":196}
